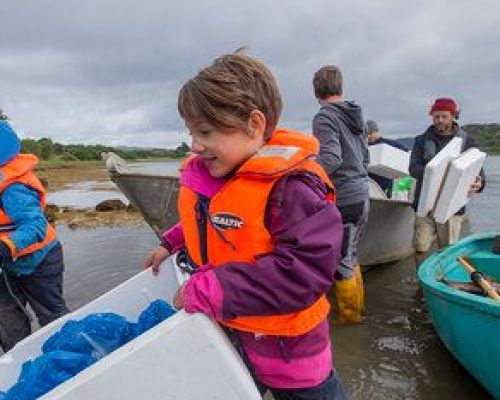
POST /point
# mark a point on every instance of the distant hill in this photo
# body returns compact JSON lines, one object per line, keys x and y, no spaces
{"x":486,"y":135}
{"x":46,"y":149}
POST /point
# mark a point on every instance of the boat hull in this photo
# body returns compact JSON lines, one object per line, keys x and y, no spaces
{"x":387,"y":236}
{"x":467,"y":324}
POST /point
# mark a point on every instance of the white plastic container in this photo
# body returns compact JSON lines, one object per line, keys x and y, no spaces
{"x":462,"y":172}
{"x":185,"y":357}
{"x":435,"y":171}
{"x":388,"y":161}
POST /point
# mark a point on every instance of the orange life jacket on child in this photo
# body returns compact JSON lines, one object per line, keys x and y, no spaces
{"x":19,"y":170}
{"x":236,"y":232}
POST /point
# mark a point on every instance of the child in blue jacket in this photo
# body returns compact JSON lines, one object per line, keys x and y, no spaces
{"x":31,"y":257}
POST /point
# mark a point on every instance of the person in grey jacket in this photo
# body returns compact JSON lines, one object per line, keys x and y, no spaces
{"x":339,"y":127}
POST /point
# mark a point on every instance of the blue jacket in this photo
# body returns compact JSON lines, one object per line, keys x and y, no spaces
{"x":22,"y":205}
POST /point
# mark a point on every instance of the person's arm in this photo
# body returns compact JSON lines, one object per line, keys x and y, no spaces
{"x":22,"y":205}
{"x":172,"y":241}
{"x":173,"y":238}
{"x":307,"y":231}
{"x":480,"y":183}
{"x":366,"y":156}
{"x":417,"y":163}
{"x":394,"y":143}
{"x":330,"y":150}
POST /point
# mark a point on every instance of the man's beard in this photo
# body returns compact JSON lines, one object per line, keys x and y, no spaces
{"x":443,"y":128}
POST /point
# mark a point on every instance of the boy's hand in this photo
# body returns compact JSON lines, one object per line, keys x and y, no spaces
{"x":476,"y":186}
{"x":178,"y":302}
{"x":155,"y":258}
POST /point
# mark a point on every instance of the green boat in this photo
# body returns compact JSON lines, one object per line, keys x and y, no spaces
{"x":467,"y":323}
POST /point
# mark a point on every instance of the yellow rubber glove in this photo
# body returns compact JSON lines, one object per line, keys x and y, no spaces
{"x":349,"y":298}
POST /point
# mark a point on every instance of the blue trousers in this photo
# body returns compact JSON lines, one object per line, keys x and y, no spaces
{"x":42,"y":290}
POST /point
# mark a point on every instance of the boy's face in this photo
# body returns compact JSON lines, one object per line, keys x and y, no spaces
{"x":372,"y":137}
{"x":222,"y":152}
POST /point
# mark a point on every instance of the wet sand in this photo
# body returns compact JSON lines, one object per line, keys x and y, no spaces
{"x":63,"y":178}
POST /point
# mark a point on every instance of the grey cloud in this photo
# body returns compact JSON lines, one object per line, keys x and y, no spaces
{"x":110,"y":70}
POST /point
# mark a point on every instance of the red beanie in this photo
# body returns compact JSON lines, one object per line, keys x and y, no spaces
{"x":445,"y":104}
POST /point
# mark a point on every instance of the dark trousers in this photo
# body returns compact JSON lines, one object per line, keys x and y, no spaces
{"x":330,"y":389}
{"x":42,"y":290}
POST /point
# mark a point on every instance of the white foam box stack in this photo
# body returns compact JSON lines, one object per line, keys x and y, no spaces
{"x":388,"y":161}
{"x":184,"y":357}
{"x":434,"y":173}
{"x":462,"y":172}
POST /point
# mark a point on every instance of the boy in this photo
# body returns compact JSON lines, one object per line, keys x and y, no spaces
{"x":343,"y":154}
{"x":30,"y":255}
{"x":260,"y":228}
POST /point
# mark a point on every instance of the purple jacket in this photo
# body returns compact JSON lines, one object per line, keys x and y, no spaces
{"x":307,"y":230}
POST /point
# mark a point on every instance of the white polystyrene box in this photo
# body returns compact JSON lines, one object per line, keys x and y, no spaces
{"x":388,"y":161}
{"x":184,"y":357}
{"x":434,"y":172}
{"x":461,"y":174}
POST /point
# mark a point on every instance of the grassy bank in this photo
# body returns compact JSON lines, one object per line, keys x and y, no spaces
{"x":57,"y":163}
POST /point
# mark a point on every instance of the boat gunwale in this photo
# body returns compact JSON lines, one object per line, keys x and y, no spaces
{"x":427,"y":277}
{"x":118,"y":175}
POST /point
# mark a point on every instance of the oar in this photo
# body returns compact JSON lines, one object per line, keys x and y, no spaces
{"x":479,"y":280}
{"x":470,"y":287}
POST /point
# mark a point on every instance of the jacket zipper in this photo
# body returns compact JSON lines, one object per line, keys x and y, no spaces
{"x":201,"y":222}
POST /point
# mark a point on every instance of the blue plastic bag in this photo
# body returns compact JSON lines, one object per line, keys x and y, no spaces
{"x":46,"y":372}
{"x":77,"y":345}
{"x":96,"y":335}
{"x":157,"y":311}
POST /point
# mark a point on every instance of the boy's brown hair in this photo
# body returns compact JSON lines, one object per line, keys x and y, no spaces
{"x":327,"y":81}
{"x":226,"y":92}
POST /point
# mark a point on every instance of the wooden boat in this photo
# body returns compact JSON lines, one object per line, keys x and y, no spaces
{"x":467,"y":323}
{"x":184,"y":357}
{"x":387,"y":237}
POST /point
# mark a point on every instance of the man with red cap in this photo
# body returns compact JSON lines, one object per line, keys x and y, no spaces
{"x":444,"y":114}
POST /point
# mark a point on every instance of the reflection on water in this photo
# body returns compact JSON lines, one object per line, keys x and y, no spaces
{"x":156,"y":167}
{"x":97,"y":260}
{"x":484,"y":209}
{"x":393,"y":354}
{"x":85,"y":194}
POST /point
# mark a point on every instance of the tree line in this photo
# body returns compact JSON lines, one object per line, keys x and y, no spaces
{"x":46,"y":149}
{"x":486,"y":135}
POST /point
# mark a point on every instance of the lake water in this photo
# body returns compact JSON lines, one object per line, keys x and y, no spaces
{"x":393,"y":354}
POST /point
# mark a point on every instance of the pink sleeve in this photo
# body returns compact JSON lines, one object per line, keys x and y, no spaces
{"x":203,"y":293}
{"x":173,"y":239}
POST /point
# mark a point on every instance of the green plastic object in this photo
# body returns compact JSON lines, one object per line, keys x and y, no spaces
{"x":404,"y":184}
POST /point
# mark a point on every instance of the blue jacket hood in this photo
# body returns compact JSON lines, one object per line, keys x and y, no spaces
{"x":10,"y":145}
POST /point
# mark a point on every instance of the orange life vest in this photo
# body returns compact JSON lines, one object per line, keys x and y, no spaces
{"x":236,"y":232}
{"x":19,"y":170}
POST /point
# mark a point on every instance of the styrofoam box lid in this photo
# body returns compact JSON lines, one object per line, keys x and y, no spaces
{"x":388,"y":161}
{"x":434,"y":173}
{"x":461,"y":174}
{"x":184,"y":357}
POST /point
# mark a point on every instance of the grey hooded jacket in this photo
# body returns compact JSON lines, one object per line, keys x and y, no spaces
{"x":343,"y":151}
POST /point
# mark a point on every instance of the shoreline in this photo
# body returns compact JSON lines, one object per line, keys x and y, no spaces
{"x":64,"y":177}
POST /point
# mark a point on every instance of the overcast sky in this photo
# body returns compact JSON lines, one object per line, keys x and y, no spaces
{"x":108,"y":71}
